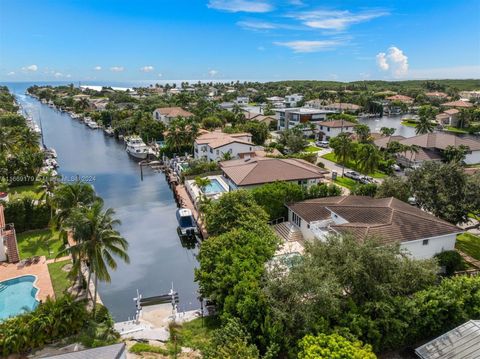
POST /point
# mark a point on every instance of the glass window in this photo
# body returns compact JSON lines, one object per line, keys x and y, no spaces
{"x":425,"y":242}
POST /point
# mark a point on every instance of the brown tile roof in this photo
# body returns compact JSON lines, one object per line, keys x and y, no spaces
{"x":401,"y":98}
{"x":337,"y":124}
{"x":174,"y":112}
{"x":441,"y":141}
{"x":383,"y":141}
{"x":436,"y":94}
{"x":217,"y":139}
{"x":260,"y":170}
{"x":459,"y":103}
{"x":451,"y":111}
{"x":422,"y":155}
{"x":387,"y":218}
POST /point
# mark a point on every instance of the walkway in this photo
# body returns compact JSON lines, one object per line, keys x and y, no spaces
{"x":185,"y":201}
{"x":40,"y":270}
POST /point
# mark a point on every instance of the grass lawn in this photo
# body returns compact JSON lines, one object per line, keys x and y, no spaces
{"x":312,"y":149}
{"x":34,"y":191}
{"x":346,"y":182}
{"x":470,"y":244}
{"x":331,"y":157}
{"x":40,"y":242}
{"x":455,"y":129}
{"x":139,"y":348}
{"x":195,"y":335}
{"x":59,"y":277}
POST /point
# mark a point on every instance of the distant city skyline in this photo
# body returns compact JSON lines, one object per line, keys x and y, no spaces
{"x":145,"y":40}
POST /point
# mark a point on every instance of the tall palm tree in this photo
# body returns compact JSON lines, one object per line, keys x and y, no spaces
{"x":28,"y":138}
{"x":363,"y":133}
{"x":387,"y":131}
{"x":97,"y":243}
{"x":342,"y":148}
{"x":368,"y":158}
{"x":426,"y":117}
{"x":7,"y":140}
{"x":49,"y":183}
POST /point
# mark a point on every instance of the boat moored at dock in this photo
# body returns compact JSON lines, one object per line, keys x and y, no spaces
{"x":137,"y":148}
{"x":186,"y":222}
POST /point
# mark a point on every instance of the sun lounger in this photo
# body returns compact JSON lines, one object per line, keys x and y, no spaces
{"x":36,"y":259}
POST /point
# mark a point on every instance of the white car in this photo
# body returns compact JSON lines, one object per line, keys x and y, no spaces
{"x":323,"y":144}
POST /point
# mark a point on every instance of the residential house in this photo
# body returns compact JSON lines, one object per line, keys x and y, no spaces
{"x":436,"y":95}
{"x":242,"y":100}
{"x":400,"y":98}
{"x":293,"y":100}
{"x":167,"y":114}
{"x":388,"y":219}
{"x":291,"y":117}
{"x":457,"y":104}
{"x":430,"y":147}
{"x":213,"y":146}
{"x":448,"y":117}
{"x":470,"y":95}
{"x":343,"y":107}
{"x":114,"y":351}
{"x":329,"y":129}
{"x":252,"y":172}
{"x":98,"y":104}
{"x":276,"y":101}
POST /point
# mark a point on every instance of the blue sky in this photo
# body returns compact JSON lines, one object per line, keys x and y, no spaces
{"x":105,"y":40}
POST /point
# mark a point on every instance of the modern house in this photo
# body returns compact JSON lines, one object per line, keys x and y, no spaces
{"x":291,"y":117}
{"x":252,"y":172}
{"x":167,"y":114}
{"x":329,"y":129}
{"x":213,"y":146}
{"x":276,"y":101}
{"x":430,"y":147}
{"x":293,"y":100}
{"x":388,"y":219}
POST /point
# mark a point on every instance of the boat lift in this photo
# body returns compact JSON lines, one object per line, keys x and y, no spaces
{"x":171,"y":297}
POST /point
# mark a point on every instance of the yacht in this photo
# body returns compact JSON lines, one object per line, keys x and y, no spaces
{"x":109,"y":131}
{"x":137,"y":148}
{"x":92,"y":124}
{"x":186,"y":223}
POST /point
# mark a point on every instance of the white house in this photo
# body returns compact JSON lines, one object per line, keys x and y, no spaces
{"x":293,"y":100}
{"x":329,"y":129}
{"x":212,"y":146}
{"x":167,"y":114}
{"x":389,"y":219}
{"x":291,"y":117}
{"x":252,"y":172}
{"x":242,"y":100}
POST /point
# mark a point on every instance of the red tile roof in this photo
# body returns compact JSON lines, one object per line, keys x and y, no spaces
{"x":459,"y":103}
{"x":174,"y":112}
{"x":337,"y":124}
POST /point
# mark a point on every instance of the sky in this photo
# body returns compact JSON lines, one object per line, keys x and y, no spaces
{"x":160,"y":40}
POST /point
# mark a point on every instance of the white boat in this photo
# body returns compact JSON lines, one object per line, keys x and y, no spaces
{"x":137,"y":148}
{"x":186,"y":223}
{"x":109,"y":131}
{"x":92,"y":124}
{"x":50,"y":153}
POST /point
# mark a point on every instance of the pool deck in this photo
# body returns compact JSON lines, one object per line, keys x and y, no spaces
{"x":40,"y":270}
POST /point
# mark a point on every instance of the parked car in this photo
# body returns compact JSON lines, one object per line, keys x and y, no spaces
{"x":353,"y":175}
{"x":366,"y":180}
{"x":396,"y":168}
{"x":323,"y":144}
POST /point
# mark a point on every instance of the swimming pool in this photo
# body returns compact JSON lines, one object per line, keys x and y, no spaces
{"x":17,"y":295}
{"x":214,"y":187}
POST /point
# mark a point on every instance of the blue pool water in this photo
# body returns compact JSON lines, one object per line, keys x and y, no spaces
{"x":17,"y":295}
{"x":214,"y":187}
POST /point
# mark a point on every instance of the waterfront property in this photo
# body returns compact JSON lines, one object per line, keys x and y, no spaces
{"x":215,"y":145}
{"x":292,"y":117}
{"x":18,"y":295}
{"x":167,"y":114}
{"x":213,"y":190}
{"x":430,"y":147}
{"x":389,"y":219}
{"x":252,"y":172}
{"x":329,"y":129}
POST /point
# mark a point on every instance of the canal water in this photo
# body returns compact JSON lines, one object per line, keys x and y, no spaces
{"x":376,"y":124}
{"x":146,"y":209}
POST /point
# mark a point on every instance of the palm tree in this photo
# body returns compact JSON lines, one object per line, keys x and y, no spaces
{"x":425,"y":122}
{"x":368,"y":158}
{"x":342,"y":148}
{"x":363,"y":133}
{"x":97,"y":242}
{"x":29,"y":138}
{"x":49,"y":183}
{"x":7,"y":140}
{"x":387,"y":131}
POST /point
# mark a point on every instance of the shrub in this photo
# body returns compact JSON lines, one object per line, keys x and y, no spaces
{"x":325,"y":346}
{"x":26,"y":215}
{"x":451,"y":260}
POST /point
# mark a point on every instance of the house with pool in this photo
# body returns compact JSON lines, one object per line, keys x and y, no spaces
{"x":215,"y":145}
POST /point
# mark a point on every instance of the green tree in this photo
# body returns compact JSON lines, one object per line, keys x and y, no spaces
{"x":368,"y":158}
{"x":426,"y":118}
{"x":325,"y":346}
{"x":293,"y":139}
{"x":363,"y":133}
{"x":342,"y":146}
{"x":394,"y":187}
{"x":387,"y":131}
{"x":455,"y":154}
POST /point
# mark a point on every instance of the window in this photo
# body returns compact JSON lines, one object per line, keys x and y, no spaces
{"x":218,"y":152}
{"x":328,"y":129}
{"x":425,"y":242}
{"x":211,"y":150}
{"x":296,"y":219}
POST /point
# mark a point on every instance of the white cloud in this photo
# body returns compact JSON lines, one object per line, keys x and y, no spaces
{"x":213,"y":73}
{"x":117,"y":68}
{"x":310,"y":46}
{"x":240,"y":5}
{"x":382,"y":61}
{"x":257,"y":25}
{"x":394,"y":61}
{"x":31,"y":68}
{"x":147,"y":68}
{"x":97,"y":68}
{"x":335,"y":19}
{"x":11,"y":73}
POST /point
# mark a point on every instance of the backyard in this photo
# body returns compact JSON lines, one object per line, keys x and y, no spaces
{"x":41,"y":242}
{"x":59,"y":276}
{"x":34,"y":191}
{"x":469,"y":244}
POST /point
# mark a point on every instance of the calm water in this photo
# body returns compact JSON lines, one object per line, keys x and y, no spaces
{"x":17,"y":296}
{"x":146,"y":209}
{"x":376,"y":124}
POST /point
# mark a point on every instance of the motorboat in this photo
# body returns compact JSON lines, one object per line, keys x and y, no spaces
{"x":137,"y":148}
{"x":92,"y":124}
{"x":186,"y":223}
{"x":109,"y":131}
{"x":51,"y":162}
{"x":50,"y":153}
